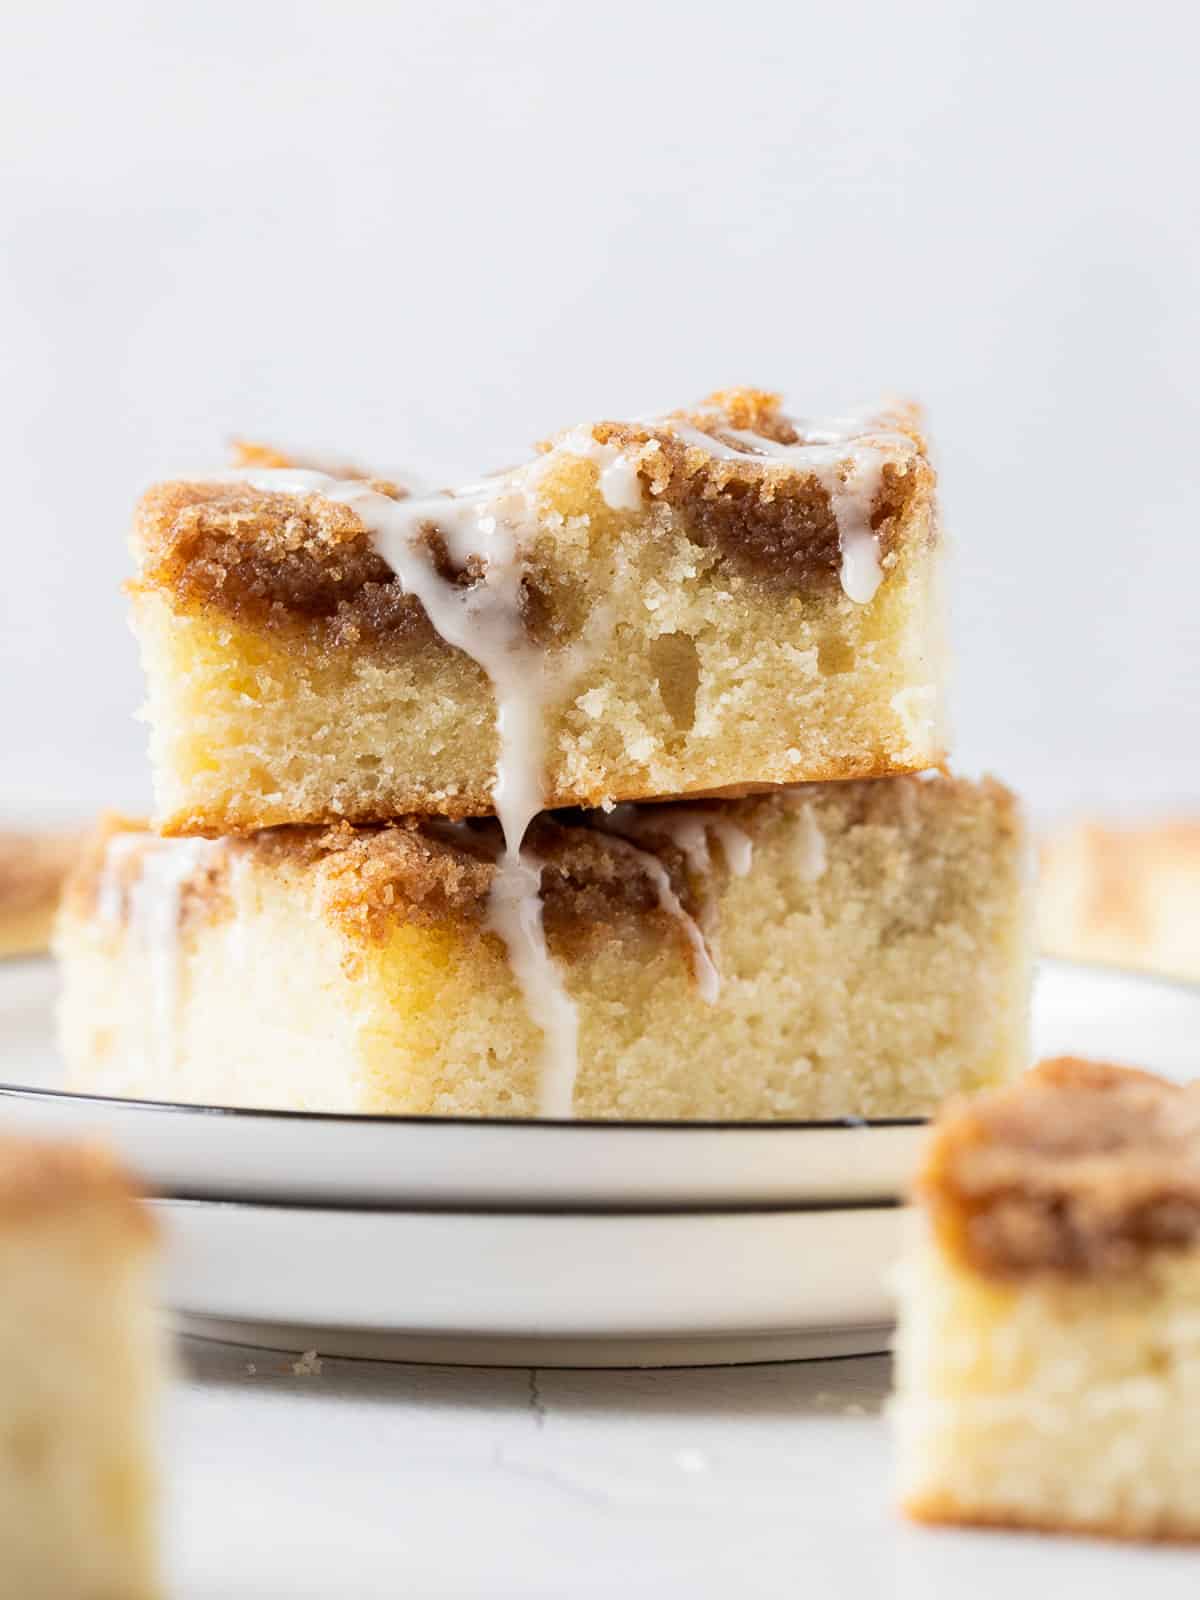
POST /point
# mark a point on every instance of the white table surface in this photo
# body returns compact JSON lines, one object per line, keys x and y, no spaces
{"x":368,"y":1480}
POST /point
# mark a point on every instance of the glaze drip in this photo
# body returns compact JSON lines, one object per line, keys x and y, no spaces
{"x":704,"y":969}
{"x":154,"y":899}
{"x":484,"y":529}
{"x":688,"y":830}
{"x":811,"y":852}
{"x":846,"y":455}
{"x":617,"y":474}
{"x":483,"y":526}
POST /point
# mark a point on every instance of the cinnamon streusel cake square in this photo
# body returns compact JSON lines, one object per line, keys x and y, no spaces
{"x":1048,"y":1361}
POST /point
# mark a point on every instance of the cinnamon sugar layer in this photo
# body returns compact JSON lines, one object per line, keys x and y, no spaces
{"x":1078,"y":1169}
{"x":276,"y":561}
{"x":295,"y":562}
{"x":778,"y":527}
{"x":420,"y":870}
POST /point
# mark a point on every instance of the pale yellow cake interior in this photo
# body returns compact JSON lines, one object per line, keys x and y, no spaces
{"x":1050,"y":1403}
{"x":874,"y":957}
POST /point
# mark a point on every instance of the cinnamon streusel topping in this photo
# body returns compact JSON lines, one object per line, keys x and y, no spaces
{"x":1078,"y":1168}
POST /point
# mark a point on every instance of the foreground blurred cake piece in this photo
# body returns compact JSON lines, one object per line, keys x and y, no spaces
{"x":828,"y":950}
{"x":708,"y":600}
{"x":33,"y":866}
{"x":1125,"y":895}
{"x":80,"y":1367}
{"x":1048,"y":1366}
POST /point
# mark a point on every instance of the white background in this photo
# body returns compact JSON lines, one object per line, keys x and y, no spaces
{"x":432,"y":233}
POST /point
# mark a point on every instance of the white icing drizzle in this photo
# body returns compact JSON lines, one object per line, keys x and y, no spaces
{"x":696,"y":440}
{"x":482,"y":524}
{"x":515,"y":913}
{"x":708,"y":979}
{"x":110,"y":889}
{"x":155,"y":900}
{"x":811,"y":854}
{"x":620,"y":486}
{"x":736,"y":844}
{"x":484,"y":620}
{"x":846,"y":454}
{"x":238,"y":945}
{"x":688,"y":831}
{"x":158,"y":901}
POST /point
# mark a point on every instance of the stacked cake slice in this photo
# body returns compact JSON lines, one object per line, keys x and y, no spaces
{"x":529,"y":797}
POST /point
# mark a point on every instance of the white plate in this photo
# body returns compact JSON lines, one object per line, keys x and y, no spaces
{"x":442,"y":1162}
{"x":572,"y":1289}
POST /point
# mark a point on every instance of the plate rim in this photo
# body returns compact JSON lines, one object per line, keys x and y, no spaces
{"x":478,"y":1273}
{"x":16,"y":1091}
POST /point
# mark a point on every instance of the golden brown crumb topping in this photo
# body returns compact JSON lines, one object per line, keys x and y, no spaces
{"x":427,"y":871}
{"x":781,"y":528}
{"x":246,"y":453}
{"x":431,"y":871}
{"x":41,"y":1178}
{"x":272,"y":560}
{"x":1078,"y":1168}
{"x":279,"y":560}
{"x":33,"y":867}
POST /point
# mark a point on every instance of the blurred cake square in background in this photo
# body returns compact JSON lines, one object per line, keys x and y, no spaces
{"x":33,"y":867}
{"x":1048,"y":1358}
{"x":81,"y":1365}
{"x":1128,"y":895}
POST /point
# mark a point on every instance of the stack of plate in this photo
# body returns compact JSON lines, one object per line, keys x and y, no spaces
{"x":541,"y":1243}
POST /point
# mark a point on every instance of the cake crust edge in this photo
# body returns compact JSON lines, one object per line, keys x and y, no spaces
{"x":942,"y":1509}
